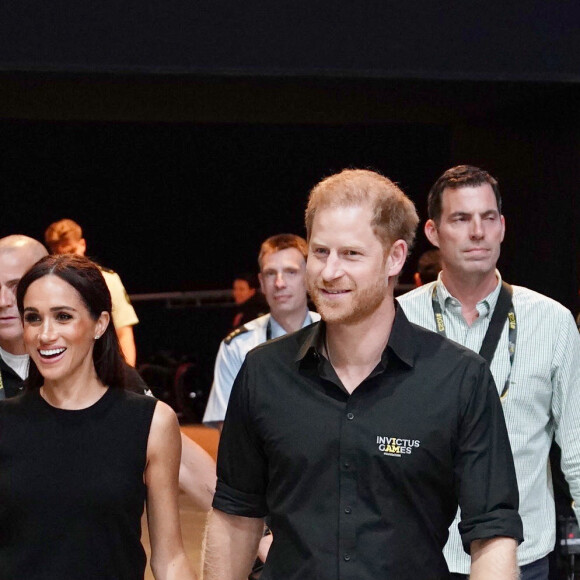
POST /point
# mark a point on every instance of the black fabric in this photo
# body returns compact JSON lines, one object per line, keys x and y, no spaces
{"x":365,"y":486}
{"x":497,"y":322}
{"x":134,"y":381}
{"x":13,"y":384}
{"x":71,"y":488}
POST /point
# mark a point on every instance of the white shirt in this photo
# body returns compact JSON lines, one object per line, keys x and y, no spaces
{"x":543,"y":400}
{"x":17,"y":362}
{"x":231,"y":354}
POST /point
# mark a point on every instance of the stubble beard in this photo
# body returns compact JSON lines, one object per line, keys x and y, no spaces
{"x":360,"y":304}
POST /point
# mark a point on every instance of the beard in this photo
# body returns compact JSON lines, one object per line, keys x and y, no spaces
{"x":358,"y":304}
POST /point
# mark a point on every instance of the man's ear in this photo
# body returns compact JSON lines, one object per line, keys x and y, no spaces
{"x":397,"y":256}
{"x":82,"y":247}
{"x":260,"y":278}
{"x":432,"y":233}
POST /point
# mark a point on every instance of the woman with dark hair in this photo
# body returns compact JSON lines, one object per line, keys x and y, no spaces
{"x":79,"y":454}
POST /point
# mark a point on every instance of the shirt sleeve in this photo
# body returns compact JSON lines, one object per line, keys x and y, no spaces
{"x":484,"y":469}
{"x":242,"y":468}
{"x":227,"y":365}
{"x":123,"y":311}
{"x":565,"y":377}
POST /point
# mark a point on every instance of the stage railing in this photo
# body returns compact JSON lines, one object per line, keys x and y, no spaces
{"x":208,"y":298}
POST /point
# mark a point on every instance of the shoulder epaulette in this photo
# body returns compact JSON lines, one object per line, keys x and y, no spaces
{"x":234,"y":333}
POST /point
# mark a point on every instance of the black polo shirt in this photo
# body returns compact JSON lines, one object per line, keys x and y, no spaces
{"x":365,"y":486}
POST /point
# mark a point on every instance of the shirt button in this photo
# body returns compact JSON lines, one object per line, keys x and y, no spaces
{"x":350,"y":416}
{"x":346,"y":557}
{"x":347,"y":510}
{"x":346,"y":464}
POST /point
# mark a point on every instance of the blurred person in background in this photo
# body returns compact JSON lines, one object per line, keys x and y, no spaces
{"x":282,"y":261}
{"x":250,"y":302}
{"x":428,"y":267}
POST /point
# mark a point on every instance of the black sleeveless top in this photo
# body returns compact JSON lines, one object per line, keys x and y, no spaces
{"x":71,"y":488}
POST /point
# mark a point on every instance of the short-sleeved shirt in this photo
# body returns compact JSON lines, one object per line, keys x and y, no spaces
{"x":123,"y":311}
{"x":364,"y":486}
{"x":231,"y":354}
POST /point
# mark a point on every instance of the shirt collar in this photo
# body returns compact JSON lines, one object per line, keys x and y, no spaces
{"x":278,"y":331}
{"x":401,"y":344}
{"x":485,"y":306}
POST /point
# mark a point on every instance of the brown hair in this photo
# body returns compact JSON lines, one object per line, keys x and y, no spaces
{"x":62,"y":230}
{"x":282,"y":242}
{"x":454,"y":178}
{"x":394,"y":215}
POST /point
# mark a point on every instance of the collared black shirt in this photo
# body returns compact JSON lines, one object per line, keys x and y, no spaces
{"x":365,"y":486}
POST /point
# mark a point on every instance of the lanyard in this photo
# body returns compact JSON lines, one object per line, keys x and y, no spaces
{"x":504,"y":307}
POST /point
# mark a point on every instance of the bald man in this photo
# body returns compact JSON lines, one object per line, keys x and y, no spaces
{"x":17,"y":255}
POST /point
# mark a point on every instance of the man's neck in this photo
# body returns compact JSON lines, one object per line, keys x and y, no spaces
{"x":13,"y":347}
{"x":469,"y":290}
{"x":355,"y":349}
{"x":290,"y":321}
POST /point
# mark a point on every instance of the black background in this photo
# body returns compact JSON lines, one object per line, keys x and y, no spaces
{"x":180,"y":135}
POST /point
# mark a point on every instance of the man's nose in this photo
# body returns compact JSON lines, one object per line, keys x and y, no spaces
{"x":7,"y":297}
{"x":280,"y":280}
{"x":476,"y":231}
{"x":332,"y":268}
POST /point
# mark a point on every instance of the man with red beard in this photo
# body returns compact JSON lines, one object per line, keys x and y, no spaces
{"x":359,"y":435}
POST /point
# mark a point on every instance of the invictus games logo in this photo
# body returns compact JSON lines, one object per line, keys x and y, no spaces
{"x":396,"y":447}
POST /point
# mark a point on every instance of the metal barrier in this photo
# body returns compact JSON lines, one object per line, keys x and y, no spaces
{"x":209,"y":298}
